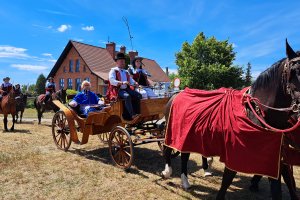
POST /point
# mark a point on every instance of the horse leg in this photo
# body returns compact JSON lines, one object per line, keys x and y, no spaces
{"x":13,"y":125}
{"x":21,"y":116}
{"x":5,"y":122}
{"x":228,"y":176}
{"x":276,"y":192}
{"x":254,"y":183}
{"x":168,"y":169}
{"x":40,"y":113}
{"x":287,"y":174}
{"x":17,"y":116}
{"x":184,"y":179}
{"x":206,"y":165}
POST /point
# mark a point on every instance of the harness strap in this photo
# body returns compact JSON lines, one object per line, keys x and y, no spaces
{"x":249,"y":99}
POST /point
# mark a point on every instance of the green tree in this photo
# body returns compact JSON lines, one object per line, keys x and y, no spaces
{"x":208,"y":64}
{"x":248,"y":77}
{"x":40,"y":84}
{"x":28,"y":89}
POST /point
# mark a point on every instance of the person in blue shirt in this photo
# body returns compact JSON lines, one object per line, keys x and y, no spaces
{"x":50,"y":88}
{"x":87,"y":100}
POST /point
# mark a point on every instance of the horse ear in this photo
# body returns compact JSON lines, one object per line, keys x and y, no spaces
{"x":290,"y":53}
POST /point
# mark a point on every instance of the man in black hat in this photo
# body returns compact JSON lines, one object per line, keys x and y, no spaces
{"x":6,"y":86}
{"x":50,"y":88}
{"x":120,"y":78}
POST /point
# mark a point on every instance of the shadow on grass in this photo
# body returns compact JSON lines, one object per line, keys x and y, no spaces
{"x":17,"y":131}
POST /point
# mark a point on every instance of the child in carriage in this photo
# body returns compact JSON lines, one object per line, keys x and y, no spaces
{"x":87,"y":101}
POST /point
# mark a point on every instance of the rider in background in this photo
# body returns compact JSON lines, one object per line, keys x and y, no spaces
{"x":5,"y":87}
{"x":86,"y":100}
{"x":17,"y":91}
{"x":50,"y":88}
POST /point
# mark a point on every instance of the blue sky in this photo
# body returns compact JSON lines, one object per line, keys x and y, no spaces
{"x":34,"y":33}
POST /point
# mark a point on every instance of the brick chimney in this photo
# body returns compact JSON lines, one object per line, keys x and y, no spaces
{"x":123,"y":49}
{"x":111,"y":48}
{"x":132,"y":54}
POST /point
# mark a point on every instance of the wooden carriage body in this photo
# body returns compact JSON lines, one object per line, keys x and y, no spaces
{"x":111,"y":128}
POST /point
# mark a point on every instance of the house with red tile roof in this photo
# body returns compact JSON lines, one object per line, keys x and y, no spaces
{"x":80,"y":61}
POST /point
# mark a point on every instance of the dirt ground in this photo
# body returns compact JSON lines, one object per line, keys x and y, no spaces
{"x":31,"y":167}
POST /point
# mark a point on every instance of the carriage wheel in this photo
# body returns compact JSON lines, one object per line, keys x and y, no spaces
{"x":60,"y":131}
{"x":104,"y":137}
{"x":121,"y":147}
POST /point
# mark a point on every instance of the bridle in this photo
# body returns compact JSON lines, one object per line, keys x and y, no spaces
{"x":289,"y":88}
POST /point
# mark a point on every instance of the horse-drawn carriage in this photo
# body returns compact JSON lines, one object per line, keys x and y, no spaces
{"x":111,"y":128}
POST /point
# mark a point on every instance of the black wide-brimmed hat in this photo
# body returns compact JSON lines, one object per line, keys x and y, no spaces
{"x":6,"y":78}
{"x":120,"y":56}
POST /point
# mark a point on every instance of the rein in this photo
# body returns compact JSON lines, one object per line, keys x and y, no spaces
{"x":250,"y":99}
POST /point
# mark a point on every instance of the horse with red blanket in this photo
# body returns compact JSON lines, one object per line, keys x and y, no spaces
{"x":222,"y":123}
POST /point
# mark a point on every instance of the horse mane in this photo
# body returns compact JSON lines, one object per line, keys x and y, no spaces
{"x":269,"y":77}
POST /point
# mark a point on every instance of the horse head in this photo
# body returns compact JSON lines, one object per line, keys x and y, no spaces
{"x":61,"y":95}
{"x":291,"y":77}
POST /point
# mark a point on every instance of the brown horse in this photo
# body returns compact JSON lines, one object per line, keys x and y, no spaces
{"x":276,"y":87}
{"x":8,"y":106}
{"x":49,"y":105}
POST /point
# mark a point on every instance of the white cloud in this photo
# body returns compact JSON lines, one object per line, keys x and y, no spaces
{"x":47,"y":54}
{"x":88,"y":28}
{"x":173,"y":71}
{"x":64,"y":27}
{"x":12,"y":52}
{"x":29,"y":67}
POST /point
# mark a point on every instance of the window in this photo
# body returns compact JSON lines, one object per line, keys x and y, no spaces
{"x":84,"y":68}
{"x":77,"y":65}
{"x":78,"y":82}
{"x":71,"y":66}
{"x":61,"y":83}
{"x":70,"y":83}
{"x":87,"y":79}
{"x":65,"y":70}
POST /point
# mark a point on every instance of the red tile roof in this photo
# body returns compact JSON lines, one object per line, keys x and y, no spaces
{"x":100,"y":62}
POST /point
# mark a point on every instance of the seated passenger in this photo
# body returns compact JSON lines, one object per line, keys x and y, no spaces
{"x":122,"y":84}
{"x":86,"y":100}
{"x":140,"y":75}
{"x":5,"y":87}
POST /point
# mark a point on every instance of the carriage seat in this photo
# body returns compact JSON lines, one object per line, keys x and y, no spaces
{"x":77,"y":111}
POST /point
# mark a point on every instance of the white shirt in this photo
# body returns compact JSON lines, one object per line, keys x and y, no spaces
{"x":123,"y":74}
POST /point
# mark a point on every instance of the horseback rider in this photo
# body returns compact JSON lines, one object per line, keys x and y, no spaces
{"x":5,"y":87}
{"x":50,"y":88}
{"x":119,"y":78}
{"x":17,"y":91}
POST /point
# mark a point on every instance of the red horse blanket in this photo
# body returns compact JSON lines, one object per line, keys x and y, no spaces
{"x":214,"y":123}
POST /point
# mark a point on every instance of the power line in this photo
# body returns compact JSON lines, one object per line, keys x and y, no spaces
{"x":130,"y":36}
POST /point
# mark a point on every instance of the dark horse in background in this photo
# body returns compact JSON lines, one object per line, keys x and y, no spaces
{"x":49,"y":105}
{"x":276,"y":87}
{"x":21,"y":102}
{"x":8,"y":106}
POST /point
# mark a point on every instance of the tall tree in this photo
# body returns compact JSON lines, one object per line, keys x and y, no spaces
{"x":40,"y":84}
{"x":248,"y":77}
{"x":208,"y":64}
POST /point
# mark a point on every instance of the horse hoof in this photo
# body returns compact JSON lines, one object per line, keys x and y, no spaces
{"x":185,"y":182}
{"x":167,"y":172}
{"x":207,"y":173}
